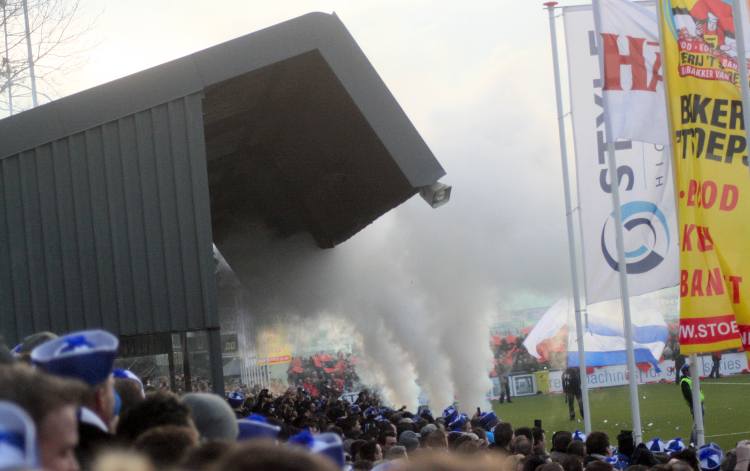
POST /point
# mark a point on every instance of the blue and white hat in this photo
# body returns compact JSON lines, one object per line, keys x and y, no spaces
{"x":450,"y":413}
{"x":371,"y":412}
{"x":488,"y":420}
{"x":710,"y":457}
{"x":675,"y":445}
{"x":579,"y":436}
{"x":458,"y":423}
{"x":17,"y":438}
{"x":656,"y":445}
{"x":30,"y":342}
{"x":325,"y":444}
{"x":87,"y":355}
{"x":256,"y":426}
{"x":236,"y":399}
{"x":614,"y":460}
{"x":127,"y":374}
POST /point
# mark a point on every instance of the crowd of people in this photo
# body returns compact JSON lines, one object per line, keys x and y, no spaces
{"x":323,"y":373}
{"x":64,"y":407}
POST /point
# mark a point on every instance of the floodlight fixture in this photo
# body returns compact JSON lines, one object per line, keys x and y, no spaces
{"x":436,"y":194}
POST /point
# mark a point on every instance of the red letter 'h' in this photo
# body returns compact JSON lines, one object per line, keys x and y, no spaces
{"x":613,"y":61}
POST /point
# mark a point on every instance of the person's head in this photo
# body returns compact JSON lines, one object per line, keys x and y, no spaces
{"x":689,"y":456}
{"x":130,"y":393}
{"x":213,"y":417}
{"x":532,"y":462}
{"x":468,"y":444}
{"x":539,"y":444}
{"x":526,"y":432}
{"x":387,"y":439}
{"x":560,"y":441}
{"x":571,"y":463}
{"x":463,"y":462}
{"x":597,"y":443}
{"x":362,"y":465}
{"x":409,"y":440}
{"x":206,"y":455}
{"x":158,"y":409}
{"x":397,"y":452}
{"x":87,"y":356}
{"x":625,"y":443}
{"x":642,"y":455}
{"x":263,"y":456}
{"x":52,"y":404}
{"x":101,"y":400}
{"x":576,"y":448}
{"x":121,"y":460}
{"x":436,"y":440}
{"x":597,"y":465}
{"x":679,"y":465}
{"x":354,"y":447}
{"x":503,"y":435}
{"x":521,"y":445}
{"x":550,"y":467}
{"x":166,"y":446}
{"x":371,"y":451}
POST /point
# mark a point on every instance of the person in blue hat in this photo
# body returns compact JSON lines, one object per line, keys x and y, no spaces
{"x":129,"y":389}
{"x":17,"y":438}
{"x":22,"y":351}
{"x":87,"y":356}
{"x":51,"y":403}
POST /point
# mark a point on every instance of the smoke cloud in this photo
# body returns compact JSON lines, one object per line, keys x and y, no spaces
{"x":422,"y":286}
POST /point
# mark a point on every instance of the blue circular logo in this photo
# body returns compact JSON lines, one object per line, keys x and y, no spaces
{"x":645,"y":230}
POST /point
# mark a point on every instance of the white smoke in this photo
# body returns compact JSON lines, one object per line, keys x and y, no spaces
{"x":435,"y":278}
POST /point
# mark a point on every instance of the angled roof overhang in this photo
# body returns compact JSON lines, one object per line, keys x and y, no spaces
{"x":301,"y":134}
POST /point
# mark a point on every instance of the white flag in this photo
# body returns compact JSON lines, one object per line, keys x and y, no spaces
{"x":643,"y":175}
{"x":632,"y":70}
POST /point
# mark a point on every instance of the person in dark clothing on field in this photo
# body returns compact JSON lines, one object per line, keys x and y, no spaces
{"x":686,"y":385}
{"x":679,"y":362}
{"x":571,"y":380}
{"x":716,"y":357}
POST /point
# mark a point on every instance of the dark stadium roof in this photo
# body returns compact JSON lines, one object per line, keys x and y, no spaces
{"x":104,"y":213}
{"x":298,"y":126}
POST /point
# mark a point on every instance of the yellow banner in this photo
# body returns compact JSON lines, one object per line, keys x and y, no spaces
{"x":711,"y":169}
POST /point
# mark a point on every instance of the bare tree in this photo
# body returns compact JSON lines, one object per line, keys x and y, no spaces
{"x":55,"y":34}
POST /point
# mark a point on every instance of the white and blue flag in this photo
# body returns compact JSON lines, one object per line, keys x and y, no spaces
{"x":604,"y":339}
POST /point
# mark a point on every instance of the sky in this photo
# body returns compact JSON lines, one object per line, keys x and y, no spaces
{"x":474,"y":77}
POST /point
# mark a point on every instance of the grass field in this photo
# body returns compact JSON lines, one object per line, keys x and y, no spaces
{"x":664,"y":412}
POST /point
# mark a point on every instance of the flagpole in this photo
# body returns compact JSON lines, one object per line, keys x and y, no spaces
{"x":739,"y":37}
{"x":569,"y":220}
{"x":621,"y":266}
{"x":695,"y":379}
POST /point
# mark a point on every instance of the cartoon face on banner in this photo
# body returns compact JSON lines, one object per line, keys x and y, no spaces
{"x":704,"y":30}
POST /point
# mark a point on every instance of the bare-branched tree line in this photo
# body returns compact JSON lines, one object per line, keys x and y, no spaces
{"x":55,"y":35}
